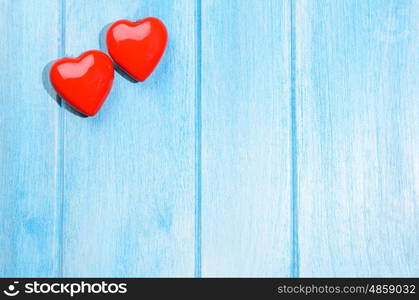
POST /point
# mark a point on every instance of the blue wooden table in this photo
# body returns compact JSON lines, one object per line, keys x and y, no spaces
{"x":276,"y":138}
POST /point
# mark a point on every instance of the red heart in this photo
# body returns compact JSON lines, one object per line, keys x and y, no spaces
{"x":137,"y":46}
{"x":84,"y":82}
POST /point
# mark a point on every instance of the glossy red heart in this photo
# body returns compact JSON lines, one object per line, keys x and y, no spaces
{"x":83,"y":82}
{"x":137,"y":47}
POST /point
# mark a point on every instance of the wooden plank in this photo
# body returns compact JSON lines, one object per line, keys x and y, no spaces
{"x":357,"y":90}
{"x":129,"y":171}
{"x":246,"y":151}
{"x":29,"y":141}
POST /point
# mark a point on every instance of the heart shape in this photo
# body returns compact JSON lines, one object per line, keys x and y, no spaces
{"x":137,"y":47}
{"x":83,"y":82}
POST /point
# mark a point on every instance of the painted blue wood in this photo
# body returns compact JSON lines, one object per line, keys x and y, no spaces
{"x":246,"y":144}
{"x":276,"y":138}
{"x":357,"y":85}
{"x":129,"y":171}
{"x":29,"y":183}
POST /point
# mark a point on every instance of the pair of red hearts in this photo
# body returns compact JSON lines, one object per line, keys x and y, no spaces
{"x":85,"y":82}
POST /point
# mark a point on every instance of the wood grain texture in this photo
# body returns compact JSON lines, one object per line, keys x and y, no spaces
{"x":29,"y":198}
{"x":129,"y":171}
{"x":357,"y":90}
{"x":275,"y":138}
{"x":246,"y":153}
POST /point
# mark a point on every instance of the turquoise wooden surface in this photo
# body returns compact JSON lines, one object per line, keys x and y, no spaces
{"x":276,"y":138}
{"x":129,"y":172}
{"x":246,"y":216}
{"x":357,"y":92}
{"x":29,"y":141}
